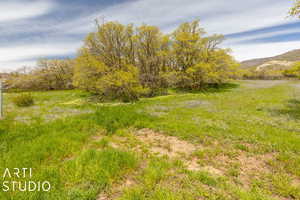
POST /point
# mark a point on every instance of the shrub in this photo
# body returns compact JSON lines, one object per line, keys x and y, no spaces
{"x":88,"y":69}
{"x":120,"y":84}
{"x":293,"y":72}
{"x":23,"y":100}
{"x":109,"y":84}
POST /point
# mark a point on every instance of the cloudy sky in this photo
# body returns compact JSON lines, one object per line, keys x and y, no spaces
{"x":33,"y":29}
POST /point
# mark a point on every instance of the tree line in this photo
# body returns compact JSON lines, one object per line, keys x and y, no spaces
{"x":126,"y":62}
{"x":47,"y":75}
{"x":272,"y":72}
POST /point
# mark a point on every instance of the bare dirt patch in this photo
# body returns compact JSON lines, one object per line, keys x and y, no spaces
{"x":161,"y":144}
{"x":253,"y":166}
{"x":247,"y":166}
{"x":170,"y":146}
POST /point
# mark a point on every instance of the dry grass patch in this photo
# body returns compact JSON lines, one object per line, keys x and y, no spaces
{"x":253,"y":167}
{"x":161,"y":144}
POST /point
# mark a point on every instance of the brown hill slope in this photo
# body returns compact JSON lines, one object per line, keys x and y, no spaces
{"x":290,"y":56}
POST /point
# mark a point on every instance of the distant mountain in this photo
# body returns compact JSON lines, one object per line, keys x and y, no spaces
{"x":282,"y":61}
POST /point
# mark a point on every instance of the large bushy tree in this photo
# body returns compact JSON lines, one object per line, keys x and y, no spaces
{"x":152,"y":54}
{"x":106,"y":63}
{"x":124,"y":62}
{"x":198,"y":60}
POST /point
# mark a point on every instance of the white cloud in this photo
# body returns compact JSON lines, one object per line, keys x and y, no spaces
{"x":13,"y":57}
{"x":250,"y":51}
{"x":249,"y":15}
{"x":9,"y":66}
{"x":295,"y":30}
{"x":13,"y":10}
{"x":217,"y":16}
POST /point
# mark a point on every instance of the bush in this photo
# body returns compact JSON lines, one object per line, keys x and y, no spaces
{"x":23,"y":100}
{"x":121,"y":84}
{"x":294,"y":71}
{"x":106,"y":82}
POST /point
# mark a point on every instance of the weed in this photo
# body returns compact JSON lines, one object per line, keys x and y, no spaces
{"x":23,"y":100}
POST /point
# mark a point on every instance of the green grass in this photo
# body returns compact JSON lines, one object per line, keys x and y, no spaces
{"x":87,"y":149}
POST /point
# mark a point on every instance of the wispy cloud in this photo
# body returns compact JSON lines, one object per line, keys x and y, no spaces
{"x":260,"y":50}
{"x":18,"y":56}
{"x":17,"y":10}
{"x":27,"y":35}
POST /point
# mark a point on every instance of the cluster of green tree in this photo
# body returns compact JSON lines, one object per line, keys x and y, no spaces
{"x":125,"y":62}
{"x":263,"y":74}
{"x":272,"y":73}
{"x":293,"y":72}
{"x":295,"y":11}
{"x":48,"y":75}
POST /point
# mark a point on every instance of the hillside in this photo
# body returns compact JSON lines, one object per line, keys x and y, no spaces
{"x":289,"y":57}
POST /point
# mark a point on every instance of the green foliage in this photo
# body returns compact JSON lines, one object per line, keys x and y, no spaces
{"x":205,"y":178}
{"x":295,"y":11}
{"x":187,"y":44}
{"x":120,"y":84}
{"x":294,"y":71}
{"x":87,"y":71}
{"x":23,"y":100}
{"x":153,"y":55}
{"x":105,"y":64}
{"x":122,"y":62}
{"x":112,"y":44}
{"x":218,"y":71}
{"x":198,"y":60}
{"x":264,"y":74}
{"x":94,"y":76}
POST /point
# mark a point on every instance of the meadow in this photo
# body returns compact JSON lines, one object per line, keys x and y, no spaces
{"x":240,"y":141}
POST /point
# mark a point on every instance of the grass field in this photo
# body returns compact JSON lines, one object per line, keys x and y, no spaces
{"x":238,"y":142}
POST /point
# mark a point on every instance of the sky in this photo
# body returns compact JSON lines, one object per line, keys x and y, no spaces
{"x":34,"y":29}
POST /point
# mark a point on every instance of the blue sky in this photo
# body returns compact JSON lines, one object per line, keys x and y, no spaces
{"x":33,"y":29}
